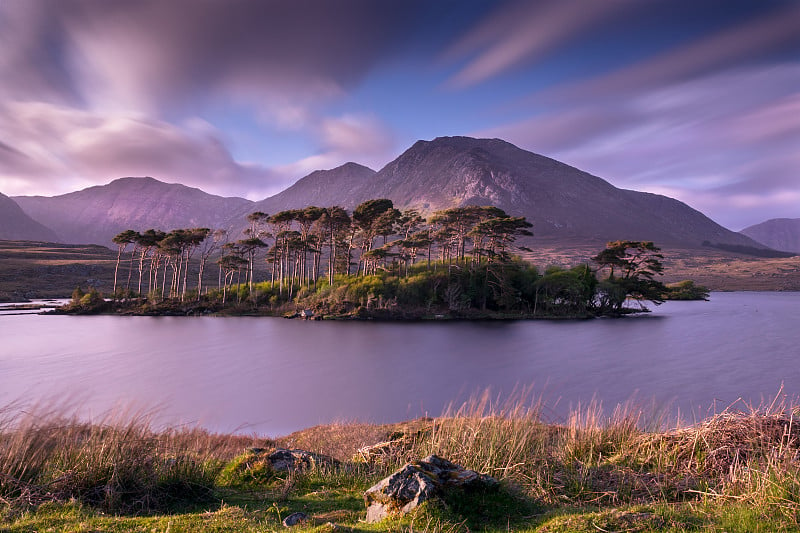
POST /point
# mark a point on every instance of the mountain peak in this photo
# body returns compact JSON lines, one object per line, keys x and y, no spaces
{"x":350,"y":166}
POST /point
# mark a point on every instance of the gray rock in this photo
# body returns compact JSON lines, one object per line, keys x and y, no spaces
{"x":294,"y":519}
{"x":418,"y":482}
{"x":283,"y":460}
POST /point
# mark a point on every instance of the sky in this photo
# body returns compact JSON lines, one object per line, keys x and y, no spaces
{"x":695,"y":99}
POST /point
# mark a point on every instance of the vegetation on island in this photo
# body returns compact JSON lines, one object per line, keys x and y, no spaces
{"x":376,"y":262}
{"x":736,"y":471}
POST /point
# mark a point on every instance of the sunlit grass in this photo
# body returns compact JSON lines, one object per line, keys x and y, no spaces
{"x":623,"y":470}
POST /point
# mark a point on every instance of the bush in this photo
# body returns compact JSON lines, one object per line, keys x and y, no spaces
{"x":686,"y":290}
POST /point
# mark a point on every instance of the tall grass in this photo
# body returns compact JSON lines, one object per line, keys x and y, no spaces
{"x":751,"y":454}
{"x":118,"y":463}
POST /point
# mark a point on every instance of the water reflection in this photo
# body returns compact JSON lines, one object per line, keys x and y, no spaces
{"x":274,"y":376}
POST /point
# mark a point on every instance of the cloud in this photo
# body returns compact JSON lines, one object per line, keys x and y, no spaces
{"x":715,"y":142}
{"x":756,"y":41}
{"x":95,"y":90}
{"x":46,"y":143}
{"x":150,"y":54}
{"x":360,"y":138}
{"x":521,"y":32}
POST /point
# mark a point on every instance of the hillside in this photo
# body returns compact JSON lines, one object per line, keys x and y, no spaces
{"x":16,"y":225}
{"x":96,"y":214}
{"x":778,"y":233}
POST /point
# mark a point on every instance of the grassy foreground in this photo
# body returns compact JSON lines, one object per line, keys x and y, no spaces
{"x":736,"y":471}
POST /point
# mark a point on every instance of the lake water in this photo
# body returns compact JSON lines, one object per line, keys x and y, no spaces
{"x":272,"y":376}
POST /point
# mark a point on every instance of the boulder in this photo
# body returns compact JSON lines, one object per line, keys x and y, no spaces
{"x":278,"y":460}
{"x":398,"y":446}
{"x":294,"y":519}
{"x":282,"y":459}
{"x":418,"y":482}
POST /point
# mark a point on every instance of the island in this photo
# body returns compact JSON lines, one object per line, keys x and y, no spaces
{"x":376,"y":263}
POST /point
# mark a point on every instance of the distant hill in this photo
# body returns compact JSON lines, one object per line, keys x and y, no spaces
{"x":96,"y":214}
{"x":16,"y":225}
{"x":778,"y":233}
{"x":563,"y":203}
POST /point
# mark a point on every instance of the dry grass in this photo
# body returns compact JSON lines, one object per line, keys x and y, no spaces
{"x":117,"y":464}
{"x":749,"y":455}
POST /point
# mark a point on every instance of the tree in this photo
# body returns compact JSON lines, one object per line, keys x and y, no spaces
{"x":146,"y":242}
{"x":253,"y":240}
{"x":192,"y":239}
{"x":306,"y":219}
{"x":569,"y":292}
{"x":632,"y":267}
{"x":373,"y":218}
{"x":333,"y":221}
{"x":122,"y":241}
{"x":494,"y":235}
{"x":230,"y":265}
{"x":209,"y":245}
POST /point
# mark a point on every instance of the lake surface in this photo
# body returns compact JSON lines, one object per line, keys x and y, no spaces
{"x":272,"y":376}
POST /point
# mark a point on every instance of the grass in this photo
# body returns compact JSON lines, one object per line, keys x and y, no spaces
{"x":739,"y":470}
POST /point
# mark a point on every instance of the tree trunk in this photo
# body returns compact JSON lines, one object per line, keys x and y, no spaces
{"x":116,"y":269}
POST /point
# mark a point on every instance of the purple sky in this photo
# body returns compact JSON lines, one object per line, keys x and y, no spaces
{"x":698,"y":100}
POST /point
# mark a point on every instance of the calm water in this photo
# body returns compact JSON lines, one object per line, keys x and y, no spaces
{"x":273,"y":376}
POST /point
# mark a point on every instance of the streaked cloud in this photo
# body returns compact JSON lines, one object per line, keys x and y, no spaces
{"x":243,"y":97}
{"x":751,"y":42}
{"x":363,"y":139}
{"x":712,"y":119}
{"x":521,"y":32}
{"x":84,"y":148}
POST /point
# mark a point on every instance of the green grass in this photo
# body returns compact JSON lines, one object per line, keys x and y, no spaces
{"x":736,"y":471}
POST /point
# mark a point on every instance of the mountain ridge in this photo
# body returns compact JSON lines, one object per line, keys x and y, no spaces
{"x":95,"y":214}
{"x":560,"y":200}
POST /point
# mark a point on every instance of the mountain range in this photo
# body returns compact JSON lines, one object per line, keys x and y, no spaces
{"x":561,"y":201}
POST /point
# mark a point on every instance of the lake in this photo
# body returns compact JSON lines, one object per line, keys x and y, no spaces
{"x":272,"y":376}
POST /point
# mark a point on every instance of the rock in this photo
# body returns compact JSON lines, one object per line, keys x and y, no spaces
{"x":398,"y":445}
{"x":381,"y":452}
{"x":418,"y":482}
{"x":283,"y":459}
{"x":294,"y":519}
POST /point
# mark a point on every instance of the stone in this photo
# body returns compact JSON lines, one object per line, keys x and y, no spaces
{"x":294,"y":519}
{"x":283,"y":460}
{"x":398,"y":445}
{"x":418,"y":482}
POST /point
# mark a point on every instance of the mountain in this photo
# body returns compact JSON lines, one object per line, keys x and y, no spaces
{"x":343,"y":186}
{"x":563,"y":203}
{"x":15,"y":225}
{"x":777,"y":233}
{"x":560,"y":200}
{"x":96,"y":214}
